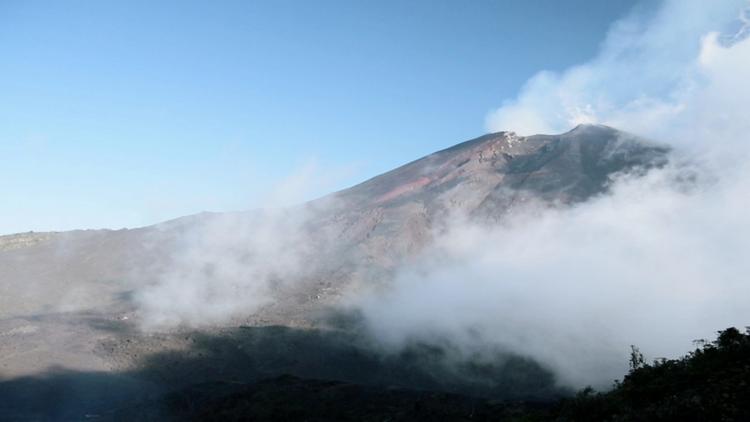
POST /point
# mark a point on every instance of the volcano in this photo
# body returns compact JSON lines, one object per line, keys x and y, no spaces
{"x":270,"y":284}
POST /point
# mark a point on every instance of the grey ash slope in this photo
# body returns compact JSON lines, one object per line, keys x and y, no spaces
{"x":568,"y":167}
{"x":66,"y":297}
{"x":371,"y":226}
{"x":393,"y":215}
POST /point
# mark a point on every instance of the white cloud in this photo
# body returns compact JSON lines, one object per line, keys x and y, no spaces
{"x":229,"y":265}
{"x":648,"y":78}
{"x":651,"y":264}
{"x":658,"y":262}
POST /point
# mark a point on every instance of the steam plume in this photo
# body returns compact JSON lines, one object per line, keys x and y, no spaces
{"x":656,"y":262}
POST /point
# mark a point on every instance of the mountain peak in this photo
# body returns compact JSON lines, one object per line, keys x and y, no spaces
{"x":567,"y":167}
{"x":590,"y":126}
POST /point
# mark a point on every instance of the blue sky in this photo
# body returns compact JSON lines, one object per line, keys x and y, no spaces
{"x":123,"y":114}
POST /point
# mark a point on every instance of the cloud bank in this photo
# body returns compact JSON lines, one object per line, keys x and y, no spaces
{"x":229,"y":265}
{"x":664,"y":73}
{"x":658,"y":261}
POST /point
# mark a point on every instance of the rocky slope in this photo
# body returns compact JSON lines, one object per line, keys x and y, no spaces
{"x":67,"y":299}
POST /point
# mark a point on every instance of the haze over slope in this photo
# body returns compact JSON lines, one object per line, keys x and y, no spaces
{"x":550,"y":247}
{"x":548,"y":253}
{"x":287,"y":266}
{"x":373,"y":225}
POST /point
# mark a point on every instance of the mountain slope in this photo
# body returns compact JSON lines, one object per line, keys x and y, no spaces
{"x":367,"y":229}
{"x":75,"y":300}
{"x":393,"y":215}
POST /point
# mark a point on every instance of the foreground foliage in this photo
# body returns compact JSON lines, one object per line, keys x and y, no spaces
{"x":711,"y":383}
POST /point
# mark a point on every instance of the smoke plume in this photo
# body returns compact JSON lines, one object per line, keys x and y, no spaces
{"x":657,"y":262}
{"x":228,"y":265}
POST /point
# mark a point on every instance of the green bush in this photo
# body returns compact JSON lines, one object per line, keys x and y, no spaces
{"x":712,"y":383}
